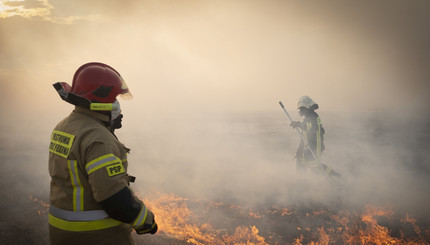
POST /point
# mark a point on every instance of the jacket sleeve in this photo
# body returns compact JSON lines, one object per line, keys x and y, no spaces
{"x":108,"y":178}
{"x":122,"y":206}
{"x":125,"y":207}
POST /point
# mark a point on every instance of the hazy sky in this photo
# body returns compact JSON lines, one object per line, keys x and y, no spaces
{"x":194,"y":55}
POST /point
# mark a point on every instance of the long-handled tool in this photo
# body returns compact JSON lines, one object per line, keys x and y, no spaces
{"x":301,"y":136}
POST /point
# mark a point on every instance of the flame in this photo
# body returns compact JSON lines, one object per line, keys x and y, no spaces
{"x":344,"y":226}
{"x":299,"y":240}
{"x":286,"y":211}
{"x":368,"y":231}
{"x":175,"y":218}
{"x":243,"y":235}
{"x":41,"y":206}
{"x":412,"y":221}
{"x":255,"y":215}
{"x":197,"y":222}
{"x":282,"y":211}
{"x":324,"y":237}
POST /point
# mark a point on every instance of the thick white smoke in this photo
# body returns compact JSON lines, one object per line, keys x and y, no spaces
{"x":207,"y":77}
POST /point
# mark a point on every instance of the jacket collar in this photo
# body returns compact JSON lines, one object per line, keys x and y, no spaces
{"x":102,"y":117}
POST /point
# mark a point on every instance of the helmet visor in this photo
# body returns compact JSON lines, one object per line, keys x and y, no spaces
{"x":125,"y":94}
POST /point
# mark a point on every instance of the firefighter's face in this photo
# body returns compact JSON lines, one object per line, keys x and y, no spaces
{"x":303,"y":111}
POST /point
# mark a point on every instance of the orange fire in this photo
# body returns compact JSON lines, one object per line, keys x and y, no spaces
{"x":174,"y":218}
{"x":368,"y":231}
{"x":197,"y":222}
{"x":41,"y":206}
{"x":345,"y":226}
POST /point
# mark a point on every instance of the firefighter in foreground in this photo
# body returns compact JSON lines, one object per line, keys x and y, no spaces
{"x":91,"y":201}
{"x":312,"y":144}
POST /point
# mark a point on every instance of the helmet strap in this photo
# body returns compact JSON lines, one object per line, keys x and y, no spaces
{"x":76,"y":100}
{"x":103,"y":106}
{"x":71,"y":97}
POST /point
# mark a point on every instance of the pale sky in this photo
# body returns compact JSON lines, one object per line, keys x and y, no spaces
{"x":223,"y":55}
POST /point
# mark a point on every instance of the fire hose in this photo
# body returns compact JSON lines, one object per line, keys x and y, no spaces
{"x":301,"y":136}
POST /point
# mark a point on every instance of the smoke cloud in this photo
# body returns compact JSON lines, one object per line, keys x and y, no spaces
{"x":207,"y":77}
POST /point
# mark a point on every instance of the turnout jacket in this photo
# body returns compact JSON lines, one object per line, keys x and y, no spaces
{"x":313,"y":135}
{"x":88,"y":165}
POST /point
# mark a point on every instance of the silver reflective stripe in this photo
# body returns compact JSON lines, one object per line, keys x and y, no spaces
{"x":142,"y":217}
{"x":94,"y":165}
{"x":78,"y":215}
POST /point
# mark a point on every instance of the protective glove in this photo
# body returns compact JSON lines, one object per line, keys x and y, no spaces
{"x":148,"y":227}
{"x":296,"y":124}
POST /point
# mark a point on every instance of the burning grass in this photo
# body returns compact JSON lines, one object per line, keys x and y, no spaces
{"x":200,"y":222}
{"x":185,"y":221}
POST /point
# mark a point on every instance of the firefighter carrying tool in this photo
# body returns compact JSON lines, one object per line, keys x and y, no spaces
{"x":312,"y":137}
{"x":91,"y":200}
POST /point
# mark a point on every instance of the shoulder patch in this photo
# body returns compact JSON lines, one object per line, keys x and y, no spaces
{"x":61,"y":143}
{"x":115,"y":169}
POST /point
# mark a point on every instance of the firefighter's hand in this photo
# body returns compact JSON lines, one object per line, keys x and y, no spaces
{"x":295,"y":124}
{"x":149,"y":226}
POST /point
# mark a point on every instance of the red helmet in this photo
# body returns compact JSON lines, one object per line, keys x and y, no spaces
{"x":99,"y":83}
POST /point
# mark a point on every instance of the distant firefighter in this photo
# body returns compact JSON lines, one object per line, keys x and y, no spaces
{"x":91,"y":199}
{"x":312,"y":143}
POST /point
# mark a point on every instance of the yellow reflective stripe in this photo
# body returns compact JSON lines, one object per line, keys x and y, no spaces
{"x":319,"y":142}
{"x":141,"y":218}
{"x":101,"y":162}
{"x":147,"y":230}
{"x":78,"y":189}
{"x":103,"y":107}
{"x":82,"y":225}
{"x":308,"y":126}
{"x":319,"y":138}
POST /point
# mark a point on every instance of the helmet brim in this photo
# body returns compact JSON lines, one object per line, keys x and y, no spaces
{"x":126,"y":96}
